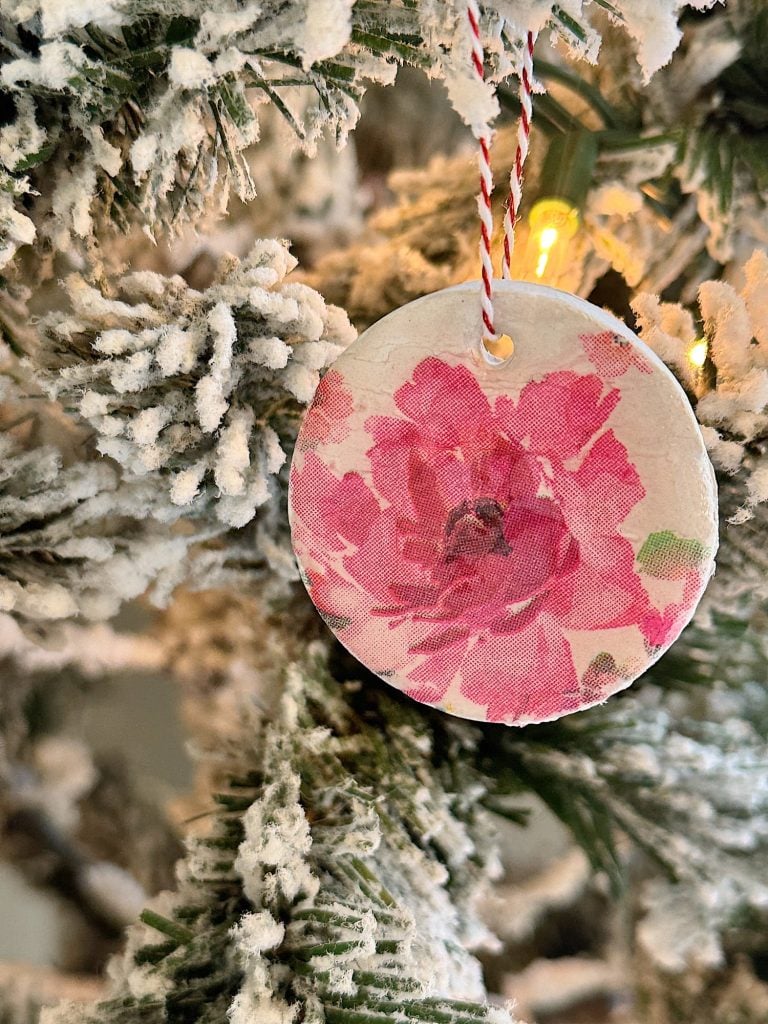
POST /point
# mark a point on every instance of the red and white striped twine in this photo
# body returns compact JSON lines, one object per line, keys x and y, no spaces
{"x":486,"y":182}
{"x":486,"y":174}
{"x":523,"y":137}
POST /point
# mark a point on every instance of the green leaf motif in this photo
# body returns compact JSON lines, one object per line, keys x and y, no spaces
{"x":667,"y":555}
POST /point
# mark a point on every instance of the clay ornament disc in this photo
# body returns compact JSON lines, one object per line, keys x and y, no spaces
{"x":510,"y":543}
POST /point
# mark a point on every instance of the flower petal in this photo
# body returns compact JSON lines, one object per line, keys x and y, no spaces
{"x":600,"y":494}
{"x":504,"y":471}
{"x":557,"y":416}
{"x":612,"y":355}
{"x":436,"y":673}
{"x":542,"y":548}
{"x":528,"y":676}
{"x":310,"y":485}
{"x":606,"y":592}
{"x":661,"y":628}
{"x":377,"y":563}
{"x":446,"y":402}
{"x":327,"y":417}
{"x":350,"y":508}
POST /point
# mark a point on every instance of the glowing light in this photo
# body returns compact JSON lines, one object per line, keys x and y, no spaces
{"x":553,"y":223}
{"x":697,"y":353}
{"x":547,"y":238}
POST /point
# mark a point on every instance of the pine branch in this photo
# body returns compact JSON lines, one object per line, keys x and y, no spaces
{"x":340,"y":872}
{"x":143,"y":115}
{"x":731,"y":395}
{"x":676,"y":774}
{"x":336,"y":883}
{"x":732,"y":138}
{"x":73,"y":540}
{"x":200,"y":392}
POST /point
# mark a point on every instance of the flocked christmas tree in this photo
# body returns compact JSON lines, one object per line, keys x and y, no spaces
{"x":352,"y":856}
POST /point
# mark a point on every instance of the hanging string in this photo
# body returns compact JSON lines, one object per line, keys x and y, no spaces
{"x":486,"y":174}
{"x":523,"y":137}
{"x":486,"y":184}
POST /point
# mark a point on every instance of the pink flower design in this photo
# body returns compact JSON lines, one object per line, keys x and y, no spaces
{"x":327,"y":417}
{"x":482,"y":536}
{"x":612,"y":355}
{"x":668,"y":556}
{"x":661,"y":628}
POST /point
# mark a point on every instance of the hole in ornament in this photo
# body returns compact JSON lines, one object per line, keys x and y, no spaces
{"x":498,"y":351}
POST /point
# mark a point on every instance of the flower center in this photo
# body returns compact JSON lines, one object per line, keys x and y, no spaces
{"x":473,"y":529}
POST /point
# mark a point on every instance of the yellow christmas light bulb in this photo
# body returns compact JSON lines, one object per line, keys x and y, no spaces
{"x":553,"y":223}
{"x":548,"y":238}
{"x":541,"y":265}
{"x":697,"y":353}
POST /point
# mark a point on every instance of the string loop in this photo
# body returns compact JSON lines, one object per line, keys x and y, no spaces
{"x":486,"y":174}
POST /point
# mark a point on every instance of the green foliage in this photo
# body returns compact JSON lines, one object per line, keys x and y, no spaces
{"x":338,"y":878}
{"x":60,"y":555}
{"x":665,"y":765}
{"x":149,"y":113}
{"x":336,"y":882}
{"x":732,"y":139}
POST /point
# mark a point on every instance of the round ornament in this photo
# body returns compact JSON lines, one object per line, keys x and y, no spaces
{"x":509,"y":542}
